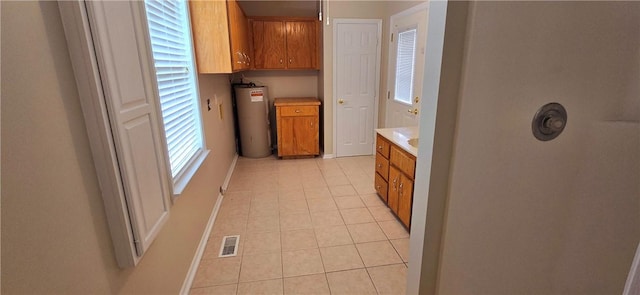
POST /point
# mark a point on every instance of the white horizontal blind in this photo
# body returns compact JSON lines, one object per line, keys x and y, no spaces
{"x":172,"y":52}
{"x":405,"y":62}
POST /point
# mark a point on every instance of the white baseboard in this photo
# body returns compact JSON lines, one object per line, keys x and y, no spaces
{"x":328,"y":156}
{"x":193,"y":269}
{"x":232,"y":167}
{"x":632,"y":285}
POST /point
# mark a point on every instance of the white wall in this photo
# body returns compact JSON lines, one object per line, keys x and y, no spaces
{"x":508,"y":223}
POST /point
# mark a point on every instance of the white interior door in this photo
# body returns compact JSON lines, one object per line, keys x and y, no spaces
{"x":406,"y":67}
{"x":356,"y":79}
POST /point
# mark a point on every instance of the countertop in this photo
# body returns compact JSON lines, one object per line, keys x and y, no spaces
{"x":293,"y":101}
{"x":400,"y":137}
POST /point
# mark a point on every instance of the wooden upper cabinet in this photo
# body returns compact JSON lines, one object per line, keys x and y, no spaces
{"x":220,"y":36}
{"x":301,"y":45}
{"x":285,"y":44}
{"x":239,"y":33}
{"x":269,"y":44}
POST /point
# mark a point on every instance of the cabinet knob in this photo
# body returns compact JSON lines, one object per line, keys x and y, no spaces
{"x":380,"y":147}
{"x":297,"y":111}
{"x":281,"y":60}
{"x":379,"y":165}
{"x":291,"y":60}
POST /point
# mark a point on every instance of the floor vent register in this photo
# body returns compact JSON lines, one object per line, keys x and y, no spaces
{"x":229,"y":246}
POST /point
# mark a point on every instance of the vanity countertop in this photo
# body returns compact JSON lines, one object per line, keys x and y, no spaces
{"x":400,"y":137}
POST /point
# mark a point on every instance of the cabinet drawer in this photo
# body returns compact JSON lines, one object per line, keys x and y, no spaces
{"x":382,"y":166}
{"x":405,"y":162}
{"x":381,"y":187}
{"x":382,"y":146}
{"x":298,"y":111}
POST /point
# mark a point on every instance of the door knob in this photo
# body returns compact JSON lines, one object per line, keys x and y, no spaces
{"x":414,"y":111}
{"x":341,"y":101}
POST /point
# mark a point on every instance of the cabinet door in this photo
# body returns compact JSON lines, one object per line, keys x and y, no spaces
{"x":210,"y":36}
{"x":301,"y":45}
{"x":269,"y":44}
{"x":286,"y":146}
{"x":239,"y":34}
{"x":305,"y":136}
{"x":394,"y":190}
{"x":405,"y":199}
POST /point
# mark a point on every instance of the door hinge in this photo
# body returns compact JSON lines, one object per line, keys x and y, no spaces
{"x":391,"y":37}
{"x":388,"y":94}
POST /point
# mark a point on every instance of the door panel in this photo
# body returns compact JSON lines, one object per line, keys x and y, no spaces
{"x":305,"y":133}
{"x":286,"y":139}
{"x":118,"y":30}
{"x":356,"y":86}
{"x":406,"y":54}
{"x":269,"y":44}
{"x":394,"y":187}
{"x":301,"y":45}
{"x":404,"y":200}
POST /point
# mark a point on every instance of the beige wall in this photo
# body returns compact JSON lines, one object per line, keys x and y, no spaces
{"x":516,"y":219}
{"x":355,"y":9}
{"x":55,"y":238}
{"x":284,"y":83}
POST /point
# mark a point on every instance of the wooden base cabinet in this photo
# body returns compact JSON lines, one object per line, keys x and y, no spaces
{"x":297,"y":122}
{"x":394,"y":178}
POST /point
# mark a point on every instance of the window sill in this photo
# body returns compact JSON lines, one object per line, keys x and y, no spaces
{"x":181,"y":181}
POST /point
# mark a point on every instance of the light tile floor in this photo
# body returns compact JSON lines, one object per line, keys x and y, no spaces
{"x":308,"y":226}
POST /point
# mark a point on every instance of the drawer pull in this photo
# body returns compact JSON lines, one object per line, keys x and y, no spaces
{"x":379,"y":147}
{"x":379,"y":165}
{"x":297,"y":111}
{"x":378,"y":187}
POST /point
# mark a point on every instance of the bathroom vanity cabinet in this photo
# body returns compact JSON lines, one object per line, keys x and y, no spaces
{"x":394,"y":177}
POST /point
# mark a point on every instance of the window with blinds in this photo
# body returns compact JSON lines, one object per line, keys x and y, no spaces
{"x":405,"y":63}
{"x":169,"y":31}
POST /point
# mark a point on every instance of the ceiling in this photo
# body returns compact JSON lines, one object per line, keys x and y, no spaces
{"x":298,"y":8}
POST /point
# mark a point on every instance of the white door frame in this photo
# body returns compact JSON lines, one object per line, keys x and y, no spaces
{"x":390,"y":61}
{"x":334,"y":102}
